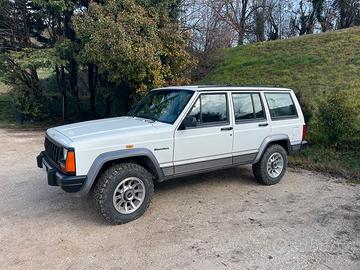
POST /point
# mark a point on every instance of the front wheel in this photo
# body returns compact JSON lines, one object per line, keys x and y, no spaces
{"x":272,"y":165}
{"x":123,"y":192}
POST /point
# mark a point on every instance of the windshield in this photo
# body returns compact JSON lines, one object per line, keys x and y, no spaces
{"x":162,"y":105}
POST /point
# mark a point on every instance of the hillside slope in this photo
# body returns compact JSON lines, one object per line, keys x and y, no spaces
{"x":309,"y":64}
{"x":314,"y":66}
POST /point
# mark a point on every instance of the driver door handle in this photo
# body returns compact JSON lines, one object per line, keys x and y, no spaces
{"x":263,"y":125}
{"x":226,"y":128}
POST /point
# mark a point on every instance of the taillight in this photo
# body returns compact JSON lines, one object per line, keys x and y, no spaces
{"x":68,"y":165}
{"x":304,"y":132}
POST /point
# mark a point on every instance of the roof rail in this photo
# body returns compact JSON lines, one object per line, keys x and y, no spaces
{"x":238,"y":85}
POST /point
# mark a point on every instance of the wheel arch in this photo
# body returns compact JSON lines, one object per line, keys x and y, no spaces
{"x":281,"y":139}
{"x":142,"y":156}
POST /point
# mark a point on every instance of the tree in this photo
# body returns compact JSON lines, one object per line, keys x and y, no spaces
{"x":326,"y":16}
{"x":348,"y":12}
{"x":236,"y":13}
{"x":57,"y":15}
{"x":304,"y":21}
{"x":260,"y":20}
{"x":131,"y":46}
{"x":274,"y":23}
{"x":19,"y":59}
{"x":40,"y":25}
{"x":207,"y":29}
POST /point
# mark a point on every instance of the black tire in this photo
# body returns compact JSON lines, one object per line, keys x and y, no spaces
{"x":109,"y":181}
{"x":260,"y":168}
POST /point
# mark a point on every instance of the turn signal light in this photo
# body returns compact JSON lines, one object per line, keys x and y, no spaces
{"x":69,"y":165}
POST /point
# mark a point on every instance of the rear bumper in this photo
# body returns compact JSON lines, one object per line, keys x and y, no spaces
{"x":295,"y":148}
{"x":55,"y":177}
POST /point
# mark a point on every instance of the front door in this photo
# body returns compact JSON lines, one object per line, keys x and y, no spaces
{"x":208,"y":142}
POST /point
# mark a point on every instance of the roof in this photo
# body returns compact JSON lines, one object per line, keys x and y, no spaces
{"x":200,"y":88}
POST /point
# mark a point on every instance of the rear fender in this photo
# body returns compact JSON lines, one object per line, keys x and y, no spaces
{"x":269,"y":140}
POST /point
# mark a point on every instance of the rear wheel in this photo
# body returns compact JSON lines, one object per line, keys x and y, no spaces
{"x":123,"y":192}
{"x":272,"y":165}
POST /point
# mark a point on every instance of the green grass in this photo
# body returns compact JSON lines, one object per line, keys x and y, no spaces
{"x":313,"y":66}
{"x":328,"y":160}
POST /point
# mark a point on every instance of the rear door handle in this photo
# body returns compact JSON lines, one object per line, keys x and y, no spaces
{"x":263,"y":125}
{"x":226,"y":128}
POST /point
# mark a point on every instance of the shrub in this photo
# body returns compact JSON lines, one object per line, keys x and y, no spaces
{"x":337,"y":120}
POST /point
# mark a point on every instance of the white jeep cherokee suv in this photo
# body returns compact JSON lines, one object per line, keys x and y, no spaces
{"x":172,"y":132}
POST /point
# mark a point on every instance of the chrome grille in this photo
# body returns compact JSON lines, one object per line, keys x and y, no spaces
{"x":53,"y":151}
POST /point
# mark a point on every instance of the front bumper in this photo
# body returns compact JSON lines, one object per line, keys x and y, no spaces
{"x":55,"y":177}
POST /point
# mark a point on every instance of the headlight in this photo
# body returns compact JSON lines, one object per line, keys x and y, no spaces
{"x":65,"y":151}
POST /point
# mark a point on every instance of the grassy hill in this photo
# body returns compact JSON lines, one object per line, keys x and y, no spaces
{"x":314,"y":66}
{"x":311,"y":65}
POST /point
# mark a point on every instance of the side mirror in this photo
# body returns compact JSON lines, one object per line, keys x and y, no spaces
{"x":189,"y":121}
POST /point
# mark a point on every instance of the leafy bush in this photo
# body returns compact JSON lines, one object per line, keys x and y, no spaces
{"x":30,"y":105}
{"x":19,"y":70}
{"x":337,"y":119}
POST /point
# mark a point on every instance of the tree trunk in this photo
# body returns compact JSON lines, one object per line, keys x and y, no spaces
{"x":63,"y":86}
{"x":240,"y":37}
{"x":60,"y":79}
{"x":73,"y":65}
{"x":73,"y":82}
{"x":92,"y":80}
{"x":259,"y":16}
{"x":128,"y":95}
{"x":108,"y":106}
{"x":35,"y":83}
{"x":73,"y":77}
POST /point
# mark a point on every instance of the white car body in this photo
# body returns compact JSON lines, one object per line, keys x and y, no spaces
{"x":176,"y":151}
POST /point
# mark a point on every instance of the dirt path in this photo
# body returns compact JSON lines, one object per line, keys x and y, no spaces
{"x":221,"y":220}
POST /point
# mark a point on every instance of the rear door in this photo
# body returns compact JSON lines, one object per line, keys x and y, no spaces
{"x":209,"y":143}
{"x":251,"y":125}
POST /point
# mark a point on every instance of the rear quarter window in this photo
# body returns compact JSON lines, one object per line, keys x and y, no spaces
{"x":281,"y":105}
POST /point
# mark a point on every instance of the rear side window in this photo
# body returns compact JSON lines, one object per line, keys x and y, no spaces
{"x":210,"y":108}
{"x":247,"y":106}
{"x":281,"y":105}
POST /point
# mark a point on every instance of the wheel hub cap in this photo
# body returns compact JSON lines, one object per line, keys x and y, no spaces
{"x":129,"y":195}
{"x":275,"y":165}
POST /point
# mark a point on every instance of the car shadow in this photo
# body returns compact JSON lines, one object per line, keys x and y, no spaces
{"x":240,"y":174}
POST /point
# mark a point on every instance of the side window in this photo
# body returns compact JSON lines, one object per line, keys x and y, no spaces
{"x":213,"y":108}
{"x":280,"y":105}
{"x":247,"y":106}
{"x":210,"y":108}
{"x":258,"y":107}
{"x":195,"y":112}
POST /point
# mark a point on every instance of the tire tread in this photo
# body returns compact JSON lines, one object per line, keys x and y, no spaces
{"x":101,"y":190}
{"x":259,"y":168}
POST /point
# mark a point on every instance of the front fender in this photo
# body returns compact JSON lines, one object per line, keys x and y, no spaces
{"x":115,"y":155}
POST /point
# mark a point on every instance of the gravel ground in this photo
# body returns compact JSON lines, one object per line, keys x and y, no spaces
{"x":220,"y":220}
